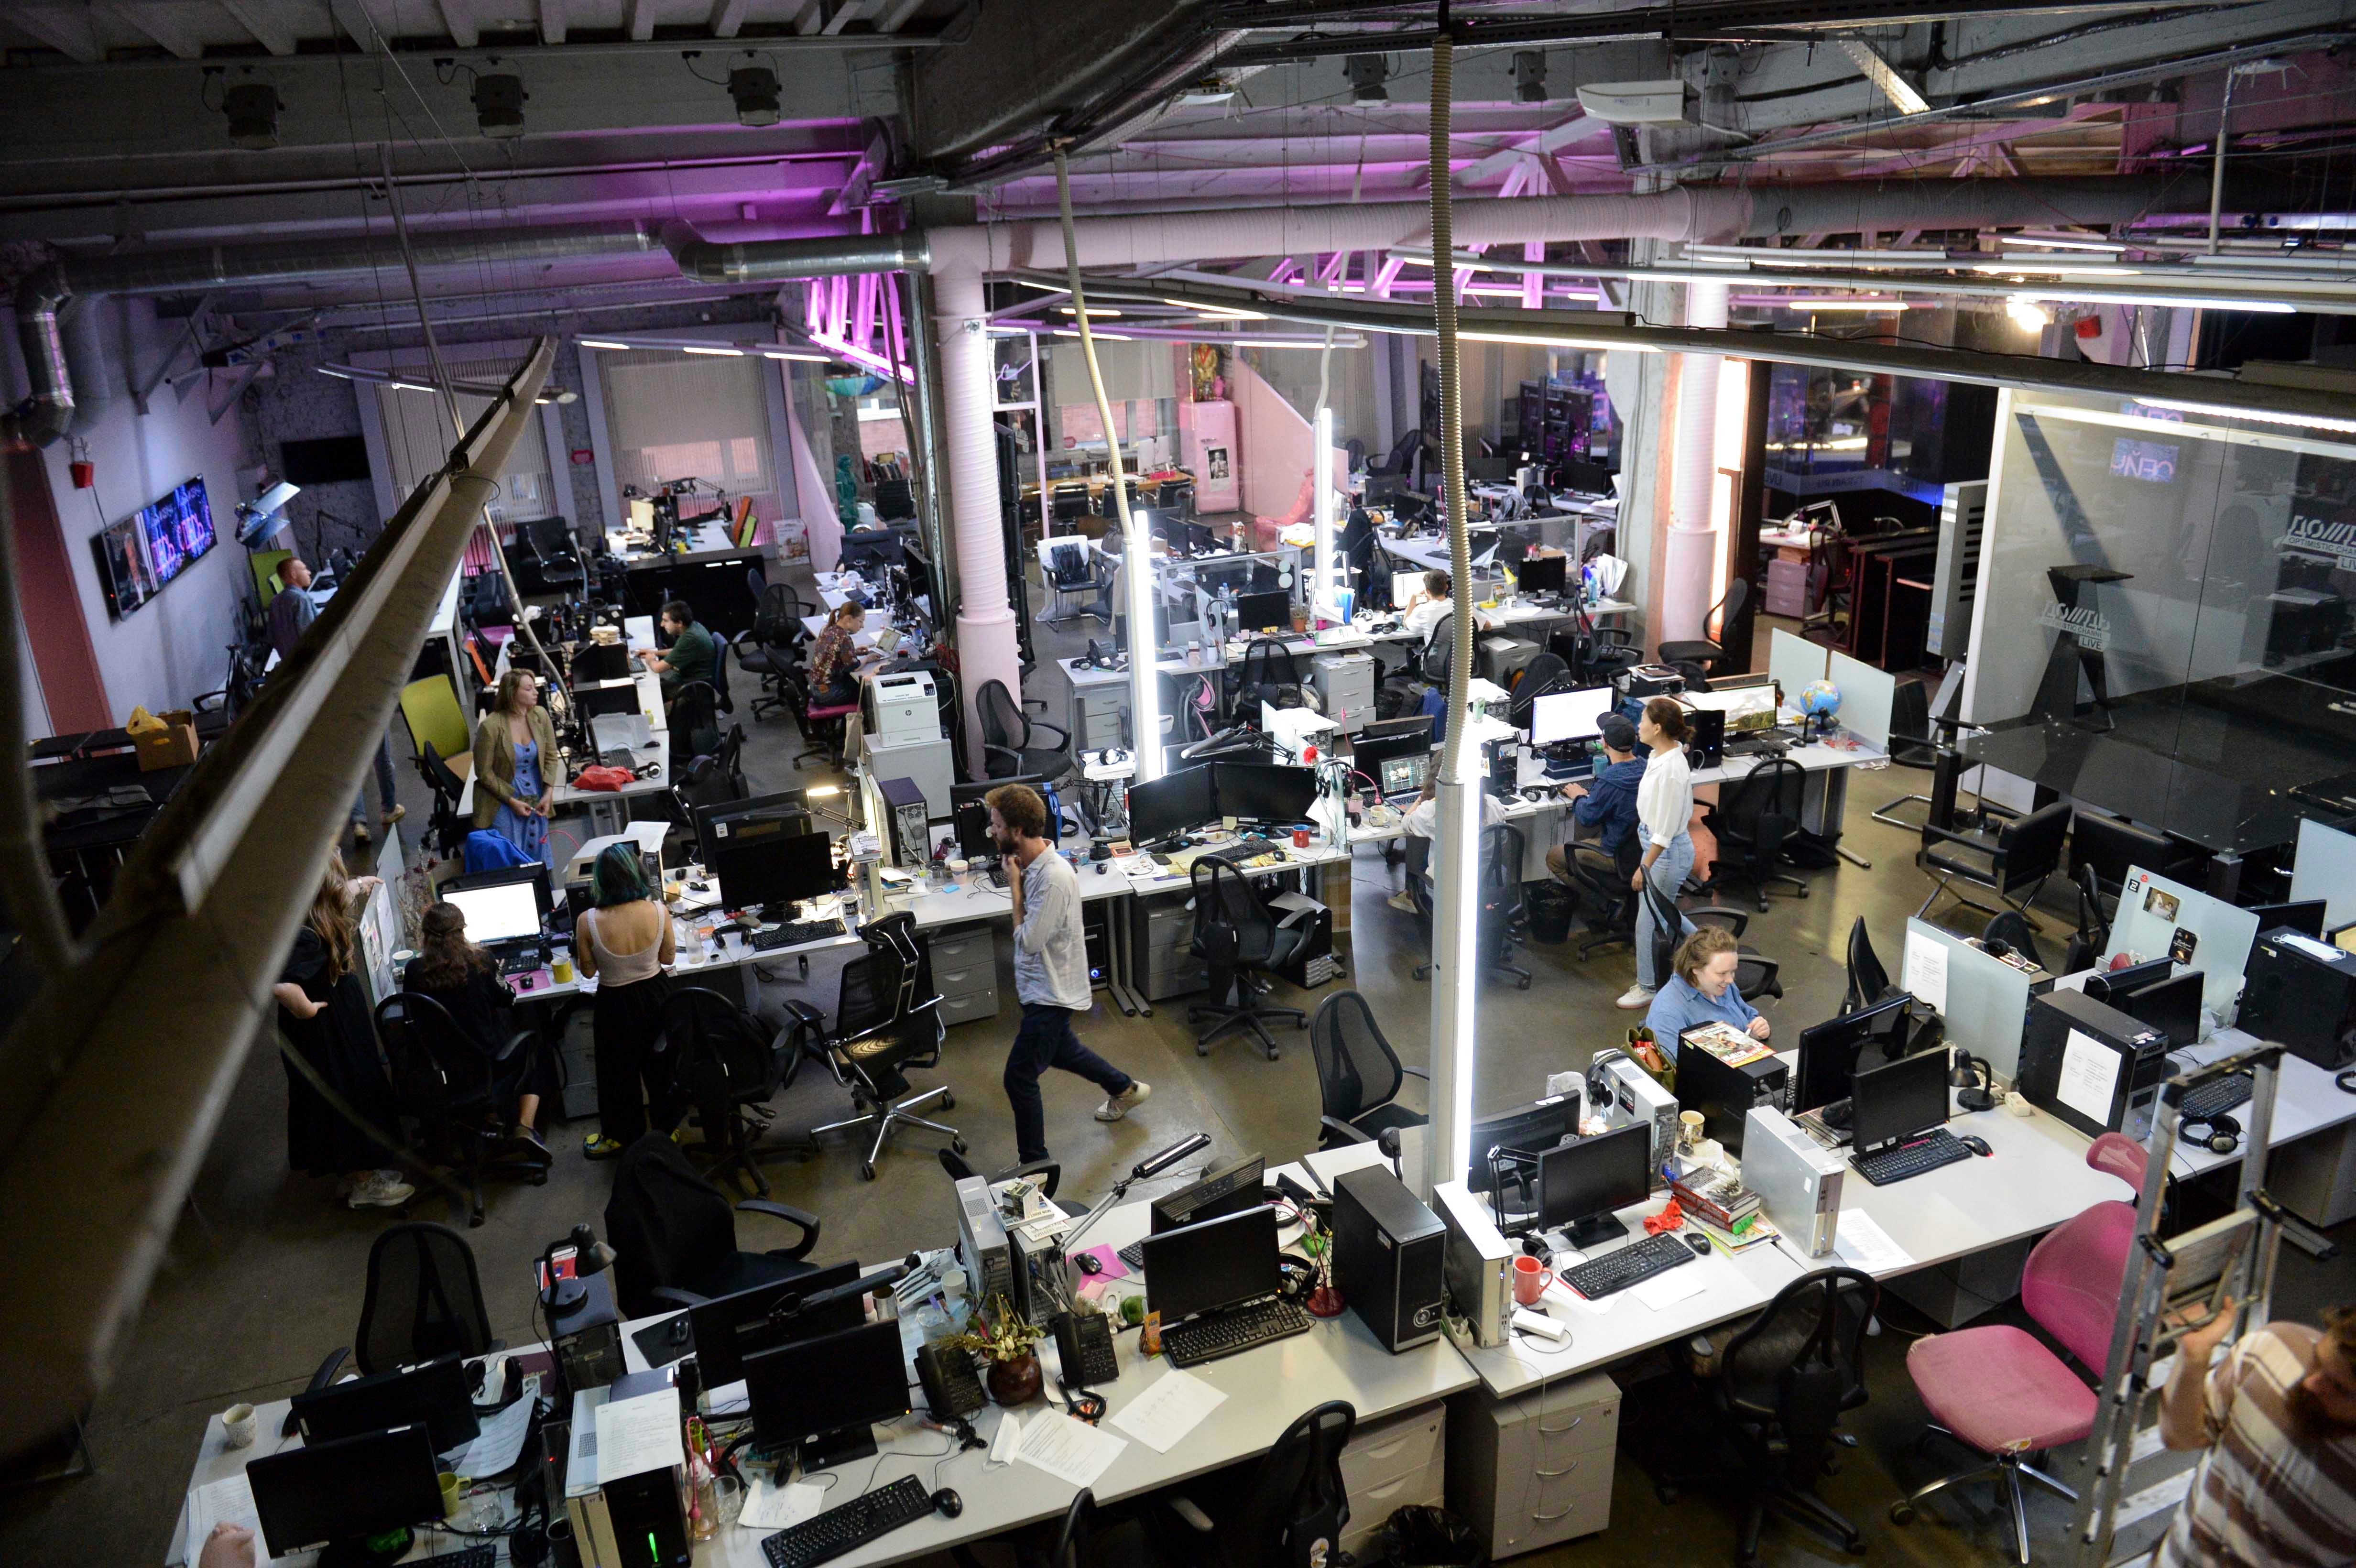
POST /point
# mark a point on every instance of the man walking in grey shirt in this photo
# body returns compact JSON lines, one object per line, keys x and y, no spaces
{"x":1051,"y":973}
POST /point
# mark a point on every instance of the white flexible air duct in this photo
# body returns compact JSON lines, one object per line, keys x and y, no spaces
{"x":985,"y":625}
{"x":1686,"y":561}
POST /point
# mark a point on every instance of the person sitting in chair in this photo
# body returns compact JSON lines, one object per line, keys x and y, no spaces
{"x":835,"y":661}
{"x":1424,"y":607}
{"x":691,"y":655}
{"x":1702,"y":991}
{"x":465,"y":979}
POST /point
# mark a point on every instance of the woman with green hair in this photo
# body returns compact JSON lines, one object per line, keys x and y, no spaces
{"x":624,"y":943}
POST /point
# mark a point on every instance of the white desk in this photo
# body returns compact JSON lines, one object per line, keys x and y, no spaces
{"x":1827,"y":765}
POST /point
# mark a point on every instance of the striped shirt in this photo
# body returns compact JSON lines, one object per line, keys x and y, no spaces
{"x":2268,"y":1494}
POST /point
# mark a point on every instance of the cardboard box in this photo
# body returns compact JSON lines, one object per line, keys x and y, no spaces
{"x":173,"y":746}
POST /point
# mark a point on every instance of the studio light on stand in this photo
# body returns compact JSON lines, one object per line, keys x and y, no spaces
{"x":264,"y":514}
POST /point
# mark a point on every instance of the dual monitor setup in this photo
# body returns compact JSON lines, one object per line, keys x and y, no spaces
{"x":1543,"y":1176}
{"x":767,"y":851}
{"x":369,"y":1460}
{"x":1163,"y":809}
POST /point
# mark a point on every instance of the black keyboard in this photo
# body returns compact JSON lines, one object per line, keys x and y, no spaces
{"x":849,"y":1526}
{"x":1133,"y":1257}
{"x":1632,"y":1265}
{"x":2216,"y":1097}
{"x":1237,"y":1329}
{"x":472,"y":1557}
{"x":1912,"y":1158}
{"x":794,"y":933}
{"x":522,"y":961}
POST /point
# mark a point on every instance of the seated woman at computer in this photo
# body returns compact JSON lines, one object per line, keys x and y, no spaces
{"x":1702,"y":991}
{"x":835,"y":661}
{"x":691,"y":655}
{"x":465,"y":979}
{"x":1427,"y":604}
{"x":515,"y":760}
{"x":624,"y":941}
{"x":325,"y":1014}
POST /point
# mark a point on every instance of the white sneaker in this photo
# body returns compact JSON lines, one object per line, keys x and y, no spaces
{"x":1403,"y":899}
{"x":379,"y":1189}
{"x":1116,"y":1106}
{"x":1635,"y":997}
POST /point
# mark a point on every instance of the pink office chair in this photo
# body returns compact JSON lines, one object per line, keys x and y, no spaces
{"x":1996,"y":1390}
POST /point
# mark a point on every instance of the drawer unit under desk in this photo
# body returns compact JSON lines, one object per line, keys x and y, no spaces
{"x":965,"y":972}
{"x":1162,"y":934}
{"x":1391,"y":1465}
{"x":1536,"y":1469}
{"x":1099,"y":716}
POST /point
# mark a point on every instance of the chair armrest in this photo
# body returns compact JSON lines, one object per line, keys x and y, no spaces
{"x":670,"y":1296}
{"x":327,"y":1368}
{"x":1051,"y":1172}
{"x":808,"y":1222}
{"x":516,"y":1042}
{"x":1980,"y":841}
{"x":1415,"y":1072}
{"x":1195,"y":1519}
{"x":1344,"y":1130}
{"x":1062,"y":736}
{"x":1012,"y":758}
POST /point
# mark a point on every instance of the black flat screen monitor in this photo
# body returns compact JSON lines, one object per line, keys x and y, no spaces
{"x":618,"y":697}
{"x":1899,"y":1101}
{"x":1370,"y":752}
{"x":435,"y":1395}
{"x":1533,"y":1128}
{"x":2305,"y":917}
{"x":709,"y":834}
{"x":1263,"y":792}
{"x":2107,"y":985}
{"x":1417,"y":724}
{"x":1270,"y":612}
{"x":1170,"y":805}
{"x":1581,"y":1183}
{"x":827,"y":1393}
{"x":601,"y":661}
{"x":1213,"y":1263}
{"x":507,"y":905}
{"x":1544,"y":574}
{"x":1830,"y":1052}
{"x":772,"y":858}
{"x":2171,"y":1006}
{"x":728,"y":1328}
{"x":344,"y":1491}
{"x":1200,"y":540}
{"x":1229,"y":1189}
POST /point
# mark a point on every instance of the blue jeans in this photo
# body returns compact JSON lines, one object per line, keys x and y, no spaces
{"x":1045,"y":1040}
{"x":1667,"y":875}
{"x":384,"y":781}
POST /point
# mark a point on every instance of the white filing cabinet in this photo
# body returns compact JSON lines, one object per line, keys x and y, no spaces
{"x":1100,"y":715}
{"x":965,"y":972}
{"x":1345,"y":684}
{"x":1391,"y":1465}
{"x":1533,"y":1470}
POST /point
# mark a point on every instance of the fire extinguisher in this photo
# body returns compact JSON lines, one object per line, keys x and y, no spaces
{"x":79,"y":465}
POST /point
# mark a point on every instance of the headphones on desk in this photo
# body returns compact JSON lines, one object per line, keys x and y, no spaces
{"x":2224,"y":1136}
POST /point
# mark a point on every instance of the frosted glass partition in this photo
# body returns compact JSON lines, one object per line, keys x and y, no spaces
{"x":2326,"y":869}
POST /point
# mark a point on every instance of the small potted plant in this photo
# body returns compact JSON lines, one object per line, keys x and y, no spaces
{"x":1000,"y":1336}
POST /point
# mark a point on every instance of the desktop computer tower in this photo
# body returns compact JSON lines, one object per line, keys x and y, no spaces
{"x":982,"y":1241}
{"x":2303,"y":994}
{"x":1479,"y":1265}
{"x":2091,"y":1065}
{"x":1726,"y":1095}
{"x":644,"y":1513}
{"x":1389,"y":1257}
{"x":1708,"y":743}
{"x":905,"y":819}
{"x":1624,"y":1095}
{"x":1797,"y":1178}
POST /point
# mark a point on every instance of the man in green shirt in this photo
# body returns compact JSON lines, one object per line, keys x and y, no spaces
{"x":691,"y":655}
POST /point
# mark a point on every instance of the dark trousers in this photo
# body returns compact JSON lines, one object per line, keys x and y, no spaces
{"x":1045,"y":1040}
{"x":631,"y":1074}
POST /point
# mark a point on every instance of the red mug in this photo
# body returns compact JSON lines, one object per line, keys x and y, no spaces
{"x":1530,"y":1279}
{"x":1300,"y":838}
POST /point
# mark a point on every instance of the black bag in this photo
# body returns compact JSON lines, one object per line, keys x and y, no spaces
{"x":1426,"y":1537}
{"x":1267,"y":676}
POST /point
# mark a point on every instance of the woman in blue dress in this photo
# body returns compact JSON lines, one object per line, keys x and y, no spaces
{"x":515,"y":756}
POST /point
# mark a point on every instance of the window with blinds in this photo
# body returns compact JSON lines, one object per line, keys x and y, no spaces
{"x":418,"y":438}
{"x":673,"y":415}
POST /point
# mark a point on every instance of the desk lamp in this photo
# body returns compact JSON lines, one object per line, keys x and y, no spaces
{"x":1152,"y":1166}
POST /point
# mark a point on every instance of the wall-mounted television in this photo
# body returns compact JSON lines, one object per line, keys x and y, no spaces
{"x":139,"y":555}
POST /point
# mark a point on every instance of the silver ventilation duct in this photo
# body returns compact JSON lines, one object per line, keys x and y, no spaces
{"x":784,"y":261}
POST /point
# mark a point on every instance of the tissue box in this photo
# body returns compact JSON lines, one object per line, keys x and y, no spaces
{"x":173,"y":746}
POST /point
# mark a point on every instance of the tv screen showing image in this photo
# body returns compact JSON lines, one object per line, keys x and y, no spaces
{"x":123,"y":571}
{"x":177,"y":529}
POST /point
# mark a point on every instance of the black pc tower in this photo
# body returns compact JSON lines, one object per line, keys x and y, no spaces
{"x":2303,"y":994}
{"x":1726,"y":1095}
{"x":2091,"y":1065}
{"x":1390,"y":1257}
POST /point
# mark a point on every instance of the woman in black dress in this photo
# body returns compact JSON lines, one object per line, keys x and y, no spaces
{"x":465,"y":980}
{"x":325,"y":1014}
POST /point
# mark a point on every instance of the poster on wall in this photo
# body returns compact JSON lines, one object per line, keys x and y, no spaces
{"x":148,"y":549}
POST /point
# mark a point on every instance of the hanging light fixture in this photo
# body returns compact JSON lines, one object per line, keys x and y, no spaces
{"x":498,"y":106}
{"x":755,"y":88}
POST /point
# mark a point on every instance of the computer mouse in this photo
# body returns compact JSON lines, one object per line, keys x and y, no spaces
{"x":1975,"y":1143}
{"x":1700,"y":1244}
{"x":1088,"y":1263}
{"x":679,"y":1327}
{"x":948,"y":1503}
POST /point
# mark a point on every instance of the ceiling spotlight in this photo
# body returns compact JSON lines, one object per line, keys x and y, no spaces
{"x":498,"y":106}
{"x":252,"y":110}
{"x":1529,"y":76}
{"x":1367,"y":73}
{"x":2027,"y":313}
{"x":755,"y":88}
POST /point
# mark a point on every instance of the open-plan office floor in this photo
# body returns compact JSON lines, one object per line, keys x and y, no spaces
{"x":263,"y":1274}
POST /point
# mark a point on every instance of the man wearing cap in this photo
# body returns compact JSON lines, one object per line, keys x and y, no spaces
{"x":1607,"y":801}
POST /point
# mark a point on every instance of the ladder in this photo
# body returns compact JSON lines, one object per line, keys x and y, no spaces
{"x":2171,"y":1286}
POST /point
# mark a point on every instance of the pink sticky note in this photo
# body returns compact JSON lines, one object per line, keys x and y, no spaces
{"x":1109,"y":1264}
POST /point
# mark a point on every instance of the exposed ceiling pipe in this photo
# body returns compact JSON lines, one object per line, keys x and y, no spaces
{"x":784,"y":261}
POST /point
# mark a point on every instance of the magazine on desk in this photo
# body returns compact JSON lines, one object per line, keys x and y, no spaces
{"x":1729,"y":1044}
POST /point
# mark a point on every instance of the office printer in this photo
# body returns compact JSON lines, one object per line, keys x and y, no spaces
{"x":900,"y":707}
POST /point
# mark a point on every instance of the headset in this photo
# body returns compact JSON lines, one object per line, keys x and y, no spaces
{"x":2224,"y":1136}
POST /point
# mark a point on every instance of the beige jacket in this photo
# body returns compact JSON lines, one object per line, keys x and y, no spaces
{"x":495,"y":762}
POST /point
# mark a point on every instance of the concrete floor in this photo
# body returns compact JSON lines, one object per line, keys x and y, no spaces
{"x":263,"y":1275}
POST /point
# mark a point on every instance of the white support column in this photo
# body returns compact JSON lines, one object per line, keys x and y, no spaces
{"x":1687,"y":545}
{"x":987,"y":648}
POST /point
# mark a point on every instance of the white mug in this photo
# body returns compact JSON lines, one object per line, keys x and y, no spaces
{"x":238,"y":1423}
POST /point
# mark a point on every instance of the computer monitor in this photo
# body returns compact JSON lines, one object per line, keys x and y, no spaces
{"x":1218,"y":1262}
{"x":1398,"y":775}
{"x":1533,"y":1128}
{"x":1372,"y":750}
{"x":1268,"y":612}
{"x":772,"y":859}
{"x":1830,"y":1051}
{"x":1415,"y":724}
{"x":1200,"y":540}
{"x":1263,"y":792}
{"x":606,"y":696}
{"x":341,"y":1492}
{"x":1894,"y":1103}
{"x":1544,"y":574}
{"x":1569,"y":715}
{"x":2107,"y":984}
{"x":728,"y":1328}
{"x":601,"y":662}
{"x":1581,"y":1183}
{"x":508,"y":910}
{"x":2170,"y":1006}
{"x":827,"y":1394}
{"x":435,"y":1395}
{"x":1173,"y":804}
{"x":2305,"y":917}
{"x":1223,"y":1190}
{"x":706,"y":817}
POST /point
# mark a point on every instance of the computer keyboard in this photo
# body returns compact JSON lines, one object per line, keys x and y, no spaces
{"x":1912,"y":1158}
{"x":849,"y":1526}
{"x":1235,"y":1329}
{"x":1631,"y":1264}
{"x":794,"y":933}
{"x":2216,"y":1097}
{"x":485,"y":1556}
{"x":1133,"y":1257}
{"x":522,"y":961}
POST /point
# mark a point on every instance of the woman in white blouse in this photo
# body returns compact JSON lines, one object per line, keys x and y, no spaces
{"x":1663,"y":807}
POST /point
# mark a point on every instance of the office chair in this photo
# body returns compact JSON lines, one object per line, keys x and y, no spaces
{"x":1499,"y":910}
{"x":556,"y":553}
{"x":771,"y":648}
{"x":726,"y":1066}
{"x":1778,"y":1386}
{"x":1755,"y":973}
{"x":714,"y":778}
{"x":2013,"y":930}
{"x":1068,"y":502}
{"x":1545,"y":672}
{"x":1997,"y":1390}
{"x":1754,"y":817}
{"x":1177,"y":495}
{"x":1868,"y":982}
{"x":1007,"y":736}
{"x":1108,"y":585}
{"x":1242,"y":940}
{"x":2111,"y":846}
{"x":2025,"y":852}
{"x":1706,"y":651}
{"x":1048,"y":1174}
{"x":1358,"y":1074}
{"x":2094,"y":933}
{"x":463,"y":1103}
{"x":423,"y":1299}
{"x":823,"y":724}
{"x":674,"y":1234}
{"x":1916,"y":741}
{"x":1287,"y":1507}
{"x":886,"y":1017}
{"x":1595,"y":654}
{"x":445,"y":823}
{"x":1068,"y":567}
{"x":1439,"y":650}
{"x":1600,"y":884}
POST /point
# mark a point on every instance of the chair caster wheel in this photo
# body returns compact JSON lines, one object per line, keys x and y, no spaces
{"x":540,"y":1180}
{"x":1668,"y":1494}
{"x":957,"y":1145}
{"x":1855,"y":1545}
{"x":949,"y":1102}
{"x":866,"y":1171}
{"x":1201,"y":1049}
{"x":1521,"y":985}
{"x":1303,"y":1024}
{"x":1902,"y":1513}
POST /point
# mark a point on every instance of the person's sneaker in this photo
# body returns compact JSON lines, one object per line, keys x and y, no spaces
{"x":1116,"y":1106}
{"x":379,"y":1189}
{"x":1403,"y":899}
{"x":598,"y":1147}
{"x":527,"y":1134}
{"x":1635,"y":997}
{"x":360,"y":832}
{"x":395,"y":814}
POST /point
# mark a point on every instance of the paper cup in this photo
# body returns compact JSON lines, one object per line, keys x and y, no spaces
{"x":239,"y":1425}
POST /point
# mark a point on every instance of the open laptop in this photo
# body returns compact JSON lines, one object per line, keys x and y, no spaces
{"x":505,"y":911}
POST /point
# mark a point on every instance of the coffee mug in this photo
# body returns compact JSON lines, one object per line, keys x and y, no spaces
{"x":238,"y":1425}
{"x":1530,"y":1279}
{"x":562,"y":968}
{"x":1300,"y":838}
{"x":454,"y":1494}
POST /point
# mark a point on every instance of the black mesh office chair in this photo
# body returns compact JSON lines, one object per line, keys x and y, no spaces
{"x":1755,"y":814}
{"x":1709,"y":652}
{"x":447,"y":826}
{"x":423,"y":1299}
{"x":727,"y":1067}
{"x":1755,"y":973}
{"x":1285,"y":1509}
{"x":2111,"y":846}
{"x":887,"y":1018}
{"x":1498,"y":909}
{"x":463,"y":1101}
{"x":2010,"y":929}
{"x":1047,"y":1173}
{"x":1545,"y":673}
{"x":556,"y":553}
{"x":2013,"y":864}
{"x":772,"y":648}
{"x":674,"y":1234}
{"x":1602,"y":884}
{"x":1439,"y":650}
{"x":1009,"y":738}
{"x":1868,"y":982}
{"x":2093,"y":934}
{"x":696,"y":706}
{"x":1358,"y":1074}
{"x":1242,"y":940}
